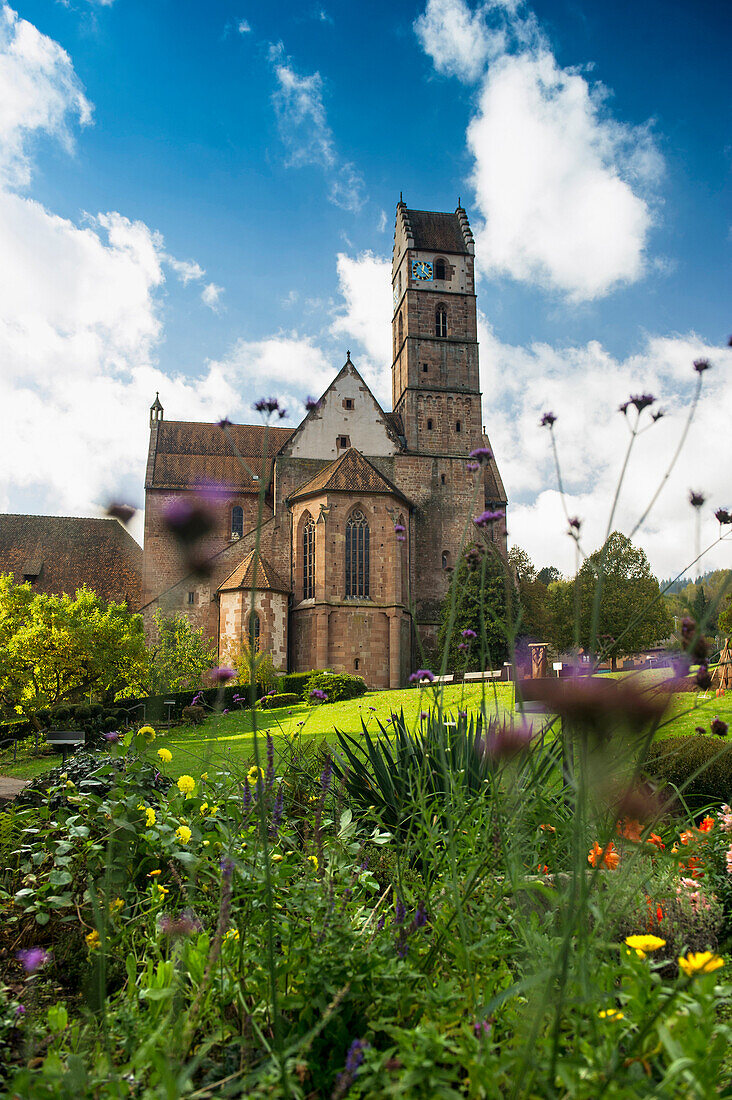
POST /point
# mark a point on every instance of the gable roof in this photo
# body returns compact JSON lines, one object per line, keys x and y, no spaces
{"x":244,"y":577}
{"x":434,"y":231}
{"x":350,"y":473}
{"x":184,"y":454}
{"x":494,"y":490}
{"x":391,"y":426}
{"x":61,"y":553}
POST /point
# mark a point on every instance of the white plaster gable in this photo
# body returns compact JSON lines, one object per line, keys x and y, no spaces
{"x":364,"y":426}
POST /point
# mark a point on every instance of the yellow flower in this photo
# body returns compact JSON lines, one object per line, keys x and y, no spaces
{"x":148,"y":733}
{"x":700,"y":962}
{"x":232,"y":934}
{"x":314,"y":861}
{"x":116,"y":905}
{"x":204,"y":807}
{"x":611,"y":1014}
{"x":165,"y":755}
{"x":186,"y":784}
{"x":642,"y":944}
{"x":214,"y":809}
{"x":183,"y":833}
{"x":276,"y":858}
{"x":151,"y":874}
{"x":161,"y":890}
{"x":92,"y":940}
{"x":254,"y":775}
{"x":150,"y":817}
{"x":204,"y":775}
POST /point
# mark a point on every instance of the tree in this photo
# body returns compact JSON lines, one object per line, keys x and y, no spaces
{"x":548,"y":574}
{"x":481,"y":584}
{"x":632,"y":615}
{"x":58,"y":649}
{"x":180,"y":654}
{"x":533,"y":595}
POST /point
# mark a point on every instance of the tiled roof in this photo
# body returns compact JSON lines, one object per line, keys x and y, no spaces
{"x":433,"y":231}
{"x":62,"y":553}
{"x":243,"y":576}
{"x":350,"y":473}
{"x":494,"y":490}
{"x":397,"y":425}
{"x":188,"y":453}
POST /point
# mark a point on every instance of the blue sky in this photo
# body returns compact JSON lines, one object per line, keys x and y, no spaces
{"x":199,"y":198}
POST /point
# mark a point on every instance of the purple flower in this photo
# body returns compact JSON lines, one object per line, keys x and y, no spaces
{"x":462,"y":714}
{"x":222,"y":675}
{"x":270,"y":760}
{"x":482,"y":1029}
{"x":696,"y":500}
{"x":20,"y":1010}
{"x":472,"y":466}
{"x":399,"y":528}
{"x":188,"y":519}
{"x":703,"y":679}
{"x":311,"y":404}
{"x":508,"y":741}
{"x":122,"y":512}
{"x":718,"y":727}
{"x":178,"y":927}
{"x":227,"y":866}
{"x":575,"y":523}
{"x":547,"y":420}
{"x":270,"y":405}
{"x":463,"y":647}
{"x":319,"y":696}
{"x":380,"y":924}
{"x":424,"y":715}
{"x":474,"y":556}
{"x":224,"y":712}
{"x":33,"y":958}
{"x":400,"y":911}
{"x":723,"y":516}
{"x":420,"y":917}
{"x":225,"y":423}
{"x":486,"y":517}
{"x":481,"y":454}
{"x":355,"y":1056}
{"x":422,"y":674}
{"x":468,"y":633}
{"x":325,"y":776}
{"x":112,"y":735}
{"x":657,"y":415}
{"x":700,"y":365}
{"x":277,"y":813}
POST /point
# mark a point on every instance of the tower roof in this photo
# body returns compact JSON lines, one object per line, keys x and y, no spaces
{"x":350,"y":473}
{"x":244,"y":576}
{"x":434,"y":231}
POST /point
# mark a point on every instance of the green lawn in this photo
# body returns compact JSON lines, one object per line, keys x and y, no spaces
{"x":227,"y":740}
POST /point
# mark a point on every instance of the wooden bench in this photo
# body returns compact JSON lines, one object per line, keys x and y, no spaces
{"x":489,"y":674}
{"x":66,"y":740}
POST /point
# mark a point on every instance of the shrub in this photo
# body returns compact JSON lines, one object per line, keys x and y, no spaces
{"x":337,"y":686}
{"x":194,"y":715}
{"x":296,"y":682}
{"x":699,"y":766}
{"x":286,"y":699}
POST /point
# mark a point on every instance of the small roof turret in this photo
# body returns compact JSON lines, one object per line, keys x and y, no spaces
{"x":156,"y":410}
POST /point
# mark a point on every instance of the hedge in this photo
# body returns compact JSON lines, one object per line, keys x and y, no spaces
{"x":286,"y":699}
{"x":676,"y":760}
{"x":336,"y":685}
{"x":296,"y":682}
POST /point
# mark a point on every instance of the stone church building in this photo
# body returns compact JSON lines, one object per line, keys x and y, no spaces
{"x":363,"y":512}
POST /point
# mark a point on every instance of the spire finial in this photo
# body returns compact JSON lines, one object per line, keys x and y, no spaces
{"x":156,"y":410}
{"x":401,"y":197}
{"x":348,"y":356}
{"x":460,"y":205}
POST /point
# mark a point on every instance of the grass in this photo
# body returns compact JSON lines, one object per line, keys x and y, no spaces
{"x":227,"y":740}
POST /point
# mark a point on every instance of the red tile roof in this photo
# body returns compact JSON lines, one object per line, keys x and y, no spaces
{"x":436,"y":232}
{"x":62,"y":553}
{"x":188,"y":453}
{"x":350,"y":473}
{"x":243,"y":576}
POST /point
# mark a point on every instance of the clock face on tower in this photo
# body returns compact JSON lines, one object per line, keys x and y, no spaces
{"x":421,"y":269}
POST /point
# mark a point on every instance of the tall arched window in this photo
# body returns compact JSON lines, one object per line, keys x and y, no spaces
{"x":401,"y":332}
{"x":254,"y":632}
{"x":308,"y":559}
{"x":441,"y":321}
{"x":237,"y":521}
{"x":357,"y":556}
{"x":440,"y":269}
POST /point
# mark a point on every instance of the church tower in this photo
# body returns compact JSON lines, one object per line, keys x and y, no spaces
{"x":435,"y":380}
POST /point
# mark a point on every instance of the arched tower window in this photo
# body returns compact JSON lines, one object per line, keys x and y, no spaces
{"x":254,"y":632}
{"x":401,"y":332}
{"x":441,"y":321}
{"x":237,"y":521}
{"x":440,"y":269}
{"x":357,"y":556}
{"x":308,"y":559}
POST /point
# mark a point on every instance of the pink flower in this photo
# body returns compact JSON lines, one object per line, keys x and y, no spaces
{"x":729,"y":860}
{"x":725,"y":819}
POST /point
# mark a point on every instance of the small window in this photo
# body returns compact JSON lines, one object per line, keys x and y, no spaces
{"x":442,"y":479}
{"x":357,"y":556}
{"x":441,"y":322}
{"x":355,"y":664}
{"x":237,"y":522}
{"x":400,"y":331}
{"x":425,"y":367}
{"x":429,"y":425}
{"x":342,"y":442}
{"x":445,"y":559}
{"x":191,"y":597}
{"x":308,"y":559}
{"x":458,"y":427}
{"x":254,"y":632}
{"x":440,"y":269}
{"x":399,"y":283}
{"x":348,"y":403}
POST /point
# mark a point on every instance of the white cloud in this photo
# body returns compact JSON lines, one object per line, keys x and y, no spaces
{"x":211,"y":295}
{"x":39,"y":94}
{"x":186,"y":270}
{"x":243,"y":27}
{"x":304,"y":129}
{"x":584,"y":386}
{"x":383,"y":221}
{"x":365,"y":284}
{"x":564,"y":190}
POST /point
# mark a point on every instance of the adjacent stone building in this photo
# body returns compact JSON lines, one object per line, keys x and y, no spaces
{"x":58,"y":554}
{"x":345,"y":530}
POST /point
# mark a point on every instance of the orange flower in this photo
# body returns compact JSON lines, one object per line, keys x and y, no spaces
{"x":654,"y":838}
{"x":547,"y":828}
{"x":607,"y":856}
{"x":660,"y":914}
{"x":687,"y":837}
{"x":543,"y":870}
{"x":707,"y":824}
{"x":630,"y":829}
